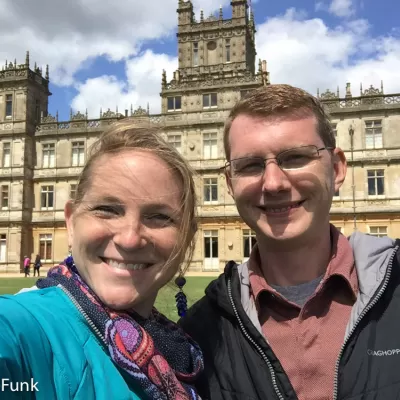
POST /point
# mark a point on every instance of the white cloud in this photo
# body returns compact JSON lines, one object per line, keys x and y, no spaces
{"x":342,"y":8}
{"x":65,"y":34}
{"x":299,"y":51}
{"x":339,"y":8}
{"x":309,"y":54}
{"x":142,"y":86}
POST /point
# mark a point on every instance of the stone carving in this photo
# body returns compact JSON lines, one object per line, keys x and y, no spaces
{"x":108,"y":114}
{"x":377,"y":202}
{"x":48,"y":119}
{"x":328,"y":95}
{"x":139,"y":112}
{"x":46,"y":214}
{"x":74,"y":171}
{"x":93,"y":124}
{"x":371,"y":91}
{"x":47,"y":172}
{"x":78,"y":116}
{"x":78,"y":125}
{"x":375,"y":153}
{"x":156,"y":120}
{"x":64,"y":125}
{"x":174,"y":117}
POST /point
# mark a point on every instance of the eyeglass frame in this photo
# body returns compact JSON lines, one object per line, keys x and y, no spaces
{"x":318,"y":149}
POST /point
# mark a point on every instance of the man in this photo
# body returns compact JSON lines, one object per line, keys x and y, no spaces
{"x":311,"y":315}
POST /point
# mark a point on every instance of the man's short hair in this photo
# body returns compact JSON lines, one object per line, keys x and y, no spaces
{"x":281,"y":102}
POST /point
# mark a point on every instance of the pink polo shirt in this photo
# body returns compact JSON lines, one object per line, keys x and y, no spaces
{"x":307,"y":340}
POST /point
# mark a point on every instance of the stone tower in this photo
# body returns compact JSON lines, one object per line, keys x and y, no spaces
{"x":217,"y":58}
{"x":24,"y":96}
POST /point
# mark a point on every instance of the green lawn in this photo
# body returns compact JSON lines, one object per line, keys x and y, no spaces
{"x":194,"y":290}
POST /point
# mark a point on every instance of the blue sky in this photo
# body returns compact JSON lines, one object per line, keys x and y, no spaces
{"x":108,"y":54}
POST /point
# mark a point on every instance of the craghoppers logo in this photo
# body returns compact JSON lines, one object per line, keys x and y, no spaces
{"x":381,"y":353}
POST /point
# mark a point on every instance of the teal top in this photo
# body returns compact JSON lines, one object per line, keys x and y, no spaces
{"x":46,"y":344}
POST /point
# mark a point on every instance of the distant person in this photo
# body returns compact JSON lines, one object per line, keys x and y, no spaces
{"x":36,"y":265}
{"x":89,"y":330}
{"x":312,"y":315}
{"x":27,"y":266}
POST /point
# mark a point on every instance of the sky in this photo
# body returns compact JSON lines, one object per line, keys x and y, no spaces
{"x":108,"y":54}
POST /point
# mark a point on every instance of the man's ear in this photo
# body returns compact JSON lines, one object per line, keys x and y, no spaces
{"x":339,"y":167}
{"x":228,"y":180}
{"x":68,"y":214}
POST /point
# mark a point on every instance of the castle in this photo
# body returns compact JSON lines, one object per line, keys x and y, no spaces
{"x":42,"y":157}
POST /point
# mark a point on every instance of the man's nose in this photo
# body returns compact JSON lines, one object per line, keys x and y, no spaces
{"x":274,"y":179}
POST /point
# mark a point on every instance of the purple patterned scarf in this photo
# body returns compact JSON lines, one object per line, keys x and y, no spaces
{"x":155,"y":352}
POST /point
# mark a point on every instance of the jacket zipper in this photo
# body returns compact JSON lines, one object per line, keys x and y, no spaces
{"x":362,"y":315}
{"x":80,"y":309}
{"x":252,"y":341}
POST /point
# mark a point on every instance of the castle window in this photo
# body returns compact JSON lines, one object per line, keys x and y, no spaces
{"x":373,"y":134}
{"x":211,"y":261}
{"x":244,"y":93}
{"x":9,"y":105}
{"x":3,"y":247}
{"x":4,"y":197}
{"x":174,"y":103}
{"x":176,"y":141}
{"x":376,"y":182}
{"x":47,"y":197}
{"x":45,"y":247}
{"x":227,"y":50}
{"x":78,"y":154}
{"x":6,"y":155}
{"x":210,"y":145}
{"x":195,"y":54}
{"x":379,"y":231}
{"x":334,"y":129}
{"x":72,"y":191}
{"x":249,"y":240}
{"x":210,"y":100}
{"x":37,"y":111}
{"x":210,"y":186}
{"x":49,"y":155}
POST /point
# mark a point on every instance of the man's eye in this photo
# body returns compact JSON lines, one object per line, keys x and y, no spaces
{"x":250,"y":167}
{"x":106,"y":210}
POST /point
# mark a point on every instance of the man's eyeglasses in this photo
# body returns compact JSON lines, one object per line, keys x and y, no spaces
{"x":288,"y":160}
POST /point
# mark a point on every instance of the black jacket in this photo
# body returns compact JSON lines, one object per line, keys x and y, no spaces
{"x":239,"y":364}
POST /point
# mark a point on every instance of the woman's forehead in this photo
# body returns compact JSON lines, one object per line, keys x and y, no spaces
{"x":136,"y":174}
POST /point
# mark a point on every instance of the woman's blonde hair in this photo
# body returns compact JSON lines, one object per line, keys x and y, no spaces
{"x":127,"y":135}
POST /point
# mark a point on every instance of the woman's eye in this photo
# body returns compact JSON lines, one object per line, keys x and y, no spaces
{"x":159,"y":219}
{"x":162,"y":217}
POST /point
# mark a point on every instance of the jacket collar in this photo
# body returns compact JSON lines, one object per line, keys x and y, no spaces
{"x":371,"y":256}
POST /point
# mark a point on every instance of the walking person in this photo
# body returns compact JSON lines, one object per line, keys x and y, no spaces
{"x":89,"y":330}
{"x":27,"y":266}
{"x":36,"y":266}
{"x":312,"y":315}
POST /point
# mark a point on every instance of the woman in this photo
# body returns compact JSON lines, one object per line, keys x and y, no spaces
{"x":36,"y":266}
{"x":89,"y":330}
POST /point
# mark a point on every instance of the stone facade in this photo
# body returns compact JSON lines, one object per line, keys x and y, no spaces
{"x":42,"y":157}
